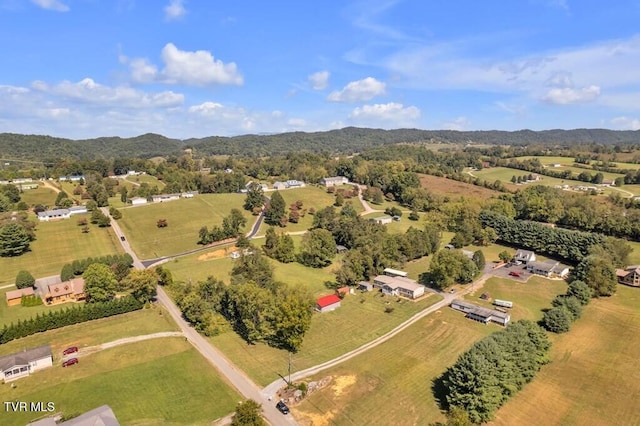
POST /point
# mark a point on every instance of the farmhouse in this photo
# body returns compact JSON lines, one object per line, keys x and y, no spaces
{"x":162,"y":198}
{"x":189,"y":194}
{"x":327,"y":303}
{"x":67,"y":291}
{"x":137,"y":201}
{"x":399,"y":286}
{"x":481,"y":314}
{"x":334,"y":181}
{"x":629,"y":275}
{"x":383,"y":220}
{"x":394,"y":272}
{"x":524,"y":256}
{"x":48,"y":215}
{"x":14,"y":297}
{"x":23,"y":363}
{"x":548,"y":268}
{"x":279,"y":185}
{"x":295,"y":184}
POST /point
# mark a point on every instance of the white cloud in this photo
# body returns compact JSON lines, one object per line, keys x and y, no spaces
{"x":89,"y":92}
{"x":197,"y":68}
{"x":359,"y":91}
{"x":56,"y":5}
{"x":297,"y":122}
{"x":626,"y":123}
{"x":175,"y":10}
{"x":319,"y":80}
{"x":569,"y":95}
{"x":386,"y":115}
{"x":459,"y":123}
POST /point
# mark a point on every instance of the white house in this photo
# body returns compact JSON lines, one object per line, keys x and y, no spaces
{"x":77,"y":210}
{"x":399,"y":286}
{"x":548,"y":268}
{"x":394,"y":272}
{"x":161,"y":198}
{"x":279,"y":185}
{"x":383,"y":220}
{"x":189,"y":194}
{"x":48,"y":215}
{"x":137,"y":201}
{"x":524,"y":256}
{"x":478,"y":313}
{"x":334,"y":181}
{"x":21,"y":364}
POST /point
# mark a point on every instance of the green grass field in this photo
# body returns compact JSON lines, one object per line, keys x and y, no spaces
{"x":145,"y":321}
{"x":402,"y":369}
{"x":402,"y":225}
{"x":57,"y":243}
{"x":331,"y":334}
{"x":151,"y":180}
{"x":185,"y":217}
{"x":454,"y":189}
{"x":311,"y":196}
{"x":161,"y":381}
{"x":42,"y":195}
{"x":593,"y":377}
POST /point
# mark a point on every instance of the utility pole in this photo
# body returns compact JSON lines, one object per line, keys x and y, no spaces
{"x":289,"y":368}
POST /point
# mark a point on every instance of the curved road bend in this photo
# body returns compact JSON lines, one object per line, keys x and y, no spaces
{"x":234,"y":376}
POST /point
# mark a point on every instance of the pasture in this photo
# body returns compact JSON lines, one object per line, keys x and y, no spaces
{"x":454,"y":189}
{"x":59,"y":242}
{"x":143,"y":383}
{"x":360,"y":319}
{"x":593,"y":377}
{"x":311,"y":197}
{"x":185,"y":217}
{"x":90,"y":333}
{"x":403,"y":369}
{"x":42,"y":195}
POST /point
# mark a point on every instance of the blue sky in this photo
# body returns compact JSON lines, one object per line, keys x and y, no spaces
{"x":194,"y":68}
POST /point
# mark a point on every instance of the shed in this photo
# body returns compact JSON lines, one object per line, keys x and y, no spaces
{"x":341,"y":249}
{"x":327,"y":303}
{"x":365,"y":286}
{"x":14,"y":297}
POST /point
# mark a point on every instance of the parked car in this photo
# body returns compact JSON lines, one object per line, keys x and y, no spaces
{"x":514,"y":274}
{"x":282,"y":407}
{"x":71,"y":350}
{"x":69,"y":362}
{"x":122,"y":238}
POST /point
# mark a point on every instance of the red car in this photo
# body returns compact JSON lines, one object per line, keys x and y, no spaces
{"x":514,"y":274}
{"x":71,"y":350}
{"x":69,"y":362}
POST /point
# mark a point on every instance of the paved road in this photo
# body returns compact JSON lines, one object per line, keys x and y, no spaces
{"x":228,"y":370}
{"x":273,"y":387}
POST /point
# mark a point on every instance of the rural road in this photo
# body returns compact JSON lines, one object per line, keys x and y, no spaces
{"x":51,"y":186}
{"x":273,"y":387}
{"x":228,"y":370}
{"x":365,"y":205}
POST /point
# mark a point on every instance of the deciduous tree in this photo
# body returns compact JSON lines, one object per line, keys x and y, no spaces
{"x":99,"y":283}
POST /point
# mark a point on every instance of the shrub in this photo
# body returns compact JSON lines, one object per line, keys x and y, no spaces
{"x":24,"y":279}
{"x":557,"y":320}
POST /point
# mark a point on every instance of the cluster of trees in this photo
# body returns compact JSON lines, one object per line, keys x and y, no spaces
{"x":572,"y":246}
{"x":101,"y":283}
{"x":567,"y":307}
{"x":275,"y":213}
{"x":452,"y":266}
{"x":279,"y":247}
{"x":69,"y":316}
{"x":117,"y":263}
{"x":100,"y":219}
{"x":230,"y":228}
{"x":496,"y":368}
{"x":10,"y":199}
{"x":257,"y":307}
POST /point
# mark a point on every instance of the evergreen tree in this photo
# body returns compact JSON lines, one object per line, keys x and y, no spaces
{"x":254,"y":198}
{"x":276,"y":210}
{"x":478,"y":259}
{"x":14,"y":239}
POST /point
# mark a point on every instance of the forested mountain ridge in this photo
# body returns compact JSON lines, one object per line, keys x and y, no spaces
{"x":342,"y":141}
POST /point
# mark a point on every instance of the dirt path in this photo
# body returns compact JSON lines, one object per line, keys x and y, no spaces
{"x":273,"y":387}
{"x":97,"y":348}
{"x":629,"y":194}
{"x":51,"y":186}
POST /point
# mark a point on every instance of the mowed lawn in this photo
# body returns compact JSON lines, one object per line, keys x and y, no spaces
{"x":43,"y":195}
{"x":593,"y":377}
{"x":185,"y":217}
{"x":311,"y":197}
{"x":160,"y":381}
{"x":401,"y":226}
{"x":90,"y":333}
{"x":360,"y":319}
{"x":57,"y":243}
{"x":403,"y":369}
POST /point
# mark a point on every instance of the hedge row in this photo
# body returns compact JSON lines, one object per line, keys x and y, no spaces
{"x":69,"y":316}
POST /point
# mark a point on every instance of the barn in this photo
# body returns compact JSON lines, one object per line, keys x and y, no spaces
{"x":328,"y":303}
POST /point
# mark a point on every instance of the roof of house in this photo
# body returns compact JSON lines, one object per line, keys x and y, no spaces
{"x":343,"y":290}
{"x":101,"y":416}
{"x":334,"y":179}
{"x":24,"y":357}
{"x":398,"y":282}
{"x":479,"y":310}
{"x":54,"y":212}
{"x":327,"y":300}
{"x":16,"y":294}
{"x":74,"y":286}
{"x":385,"y":217}
{"x":524,"y":253}
{"x":395,"y":272}
{"x":546,"y":266}
{"x":78,"y":208}
{"x":365,"y":284}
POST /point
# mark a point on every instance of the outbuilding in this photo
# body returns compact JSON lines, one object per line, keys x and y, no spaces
{"x":328,"y":303}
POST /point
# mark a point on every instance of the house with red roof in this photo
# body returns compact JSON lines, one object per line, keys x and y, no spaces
{"x":327,"y":303}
